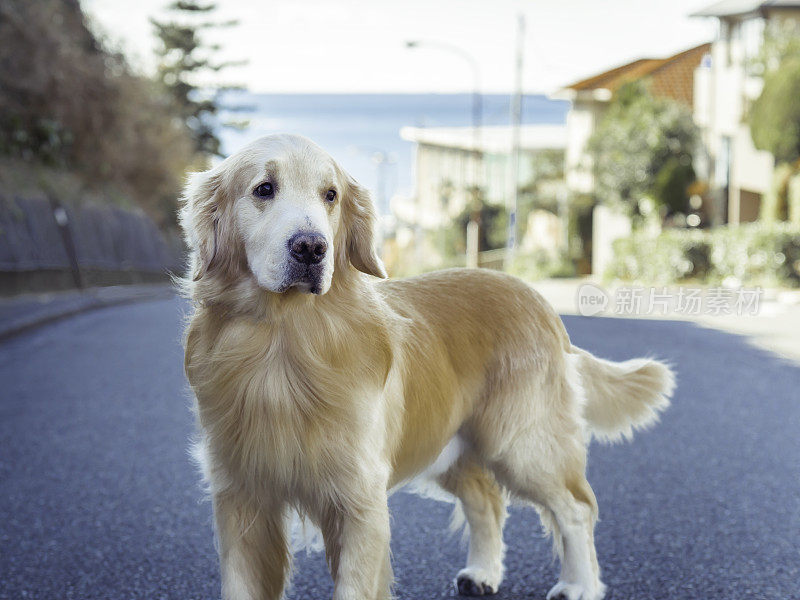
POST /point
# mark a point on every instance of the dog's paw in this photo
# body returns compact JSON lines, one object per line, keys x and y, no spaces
{"x":476,"y":582}
{"x":468,"y":587}
{"x":576,"y":591}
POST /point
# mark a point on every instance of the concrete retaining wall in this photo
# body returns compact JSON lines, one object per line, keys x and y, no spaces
{"x":47,"y":246}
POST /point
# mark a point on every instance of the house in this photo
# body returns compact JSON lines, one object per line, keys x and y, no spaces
{"x":726,"y":84}
{"x":672,"y":77}
{"x":452,"y":162}
{"x":455,"y":165}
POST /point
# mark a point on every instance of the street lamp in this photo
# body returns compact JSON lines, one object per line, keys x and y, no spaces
{"x":477,"y":110}
{"x":476,"y":76}
{"x":381,"y":159}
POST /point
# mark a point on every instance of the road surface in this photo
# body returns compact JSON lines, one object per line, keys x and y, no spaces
{"x":98,"y":498}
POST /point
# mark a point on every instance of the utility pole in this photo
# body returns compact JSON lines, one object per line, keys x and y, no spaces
{"x":513,"y":158}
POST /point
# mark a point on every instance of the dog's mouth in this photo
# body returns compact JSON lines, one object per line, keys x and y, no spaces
{"x":305,"y":278}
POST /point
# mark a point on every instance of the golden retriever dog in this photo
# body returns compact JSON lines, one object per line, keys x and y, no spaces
{"x":320,"y":388}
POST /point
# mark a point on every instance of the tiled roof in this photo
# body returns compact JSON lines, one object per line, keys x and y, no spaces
{"x":671,"y":77}
{"x":675,"y":77}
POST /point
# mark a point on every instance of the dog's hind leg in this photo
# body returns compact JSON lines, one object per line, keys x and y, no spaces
{"x":484,"y":506}
{"x":542,"y":459}
{"x":568,"y":510}
{"x":574,"y":516}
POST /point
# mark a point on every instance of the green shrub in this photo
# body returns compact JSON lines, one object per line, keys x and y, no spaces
{"x":793,"y":199}
{"x":541,"y":265}
{"x":758,"y":253}
{"x":676,"y":254}
{"x":753,"y":254}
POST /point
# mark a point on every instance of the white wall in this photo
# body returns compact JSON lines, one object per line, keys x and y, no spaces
{"x":607,"y":226}
{"x":437,"y":164}
{"x":581,"y":121}
{"x":752,"y":169}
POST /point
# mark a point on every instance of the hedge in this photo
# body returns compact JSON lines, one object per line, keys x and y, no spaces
{"x":766,"y":254}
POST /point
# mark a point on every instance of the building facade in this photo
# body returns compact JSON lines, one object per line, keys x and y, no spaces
{"x":672,"y":77}
{"x":452,"y":163}
{"x":456,"y":167}
{"x":726,"y":84}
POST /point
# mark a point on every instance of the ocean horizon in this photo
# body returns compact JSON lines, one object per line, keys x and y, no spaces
{"x":353,"y":128}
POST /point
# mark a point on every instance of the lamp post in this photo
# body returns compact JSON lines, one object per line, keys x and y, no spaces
{"x":477,"y":109}
{"x":477,"y":114}
{"x":516,"y":119}
{"x":382,"y":160}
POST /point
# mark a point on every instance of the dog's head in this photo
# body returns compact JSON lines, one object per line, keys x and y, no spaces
{"x":281,"y":213}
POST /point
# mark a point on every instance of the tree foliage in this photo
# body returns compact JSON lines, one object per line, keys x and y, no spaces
{"x":185,"y":60}
{"x":775,"y":115}
{"x":492,"y":226}
{"x":781,"y":41}
{"x":775,"y":118}
{"x":643,"y":147}
{"x":492,"y":221}
{"x":67,"y":102}
{"x":540,"y":191}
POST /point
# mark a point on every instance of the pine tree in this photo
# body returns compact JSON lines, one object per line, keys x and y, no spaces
{"x":185,"y":59}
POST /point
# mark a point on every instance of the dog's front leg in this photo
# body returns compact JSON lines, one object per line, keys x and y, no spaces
{"x":253,"y":549}
{"x":357,"y":544}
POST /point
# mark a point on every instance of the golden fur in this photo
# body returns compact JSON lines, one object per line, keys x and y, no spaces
{"x":321,"y":403}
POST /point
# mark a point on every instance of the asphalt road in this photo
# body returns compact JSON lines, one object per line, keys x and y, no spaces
{"x":98,"y":498}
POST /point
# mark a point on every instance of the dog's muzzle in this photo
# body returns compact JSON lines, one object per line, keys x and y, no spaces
{"x":305,"y":269}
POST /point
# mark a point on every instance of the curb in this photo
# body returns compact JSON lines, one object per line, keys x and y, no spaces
{"x":85,"y":301}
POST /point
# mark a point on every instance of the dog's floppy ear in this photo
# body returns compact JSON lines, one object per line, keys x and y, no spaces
{"x":359,"y":221}
{"x":199,"y":217}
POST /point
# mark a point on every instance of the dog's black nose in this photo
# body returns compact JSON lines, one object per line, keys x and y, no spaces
{"x":308,"y":248}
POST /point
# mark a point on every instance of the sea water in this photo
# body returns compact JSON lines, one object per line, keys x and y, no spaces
{"x":362,"y":131}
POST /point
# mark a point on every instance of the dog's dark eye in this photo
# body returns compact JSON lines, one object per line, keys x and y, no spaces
{"x":330,"y":195}
{"x":264,"y":190}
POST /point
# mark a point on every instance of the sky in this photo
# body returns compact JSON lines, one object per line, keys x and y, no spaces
{"x":359,"y":46}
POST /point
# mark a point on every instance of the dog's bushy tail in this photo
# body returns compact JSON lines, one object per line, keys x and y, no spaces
{"x":621,"y":397}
